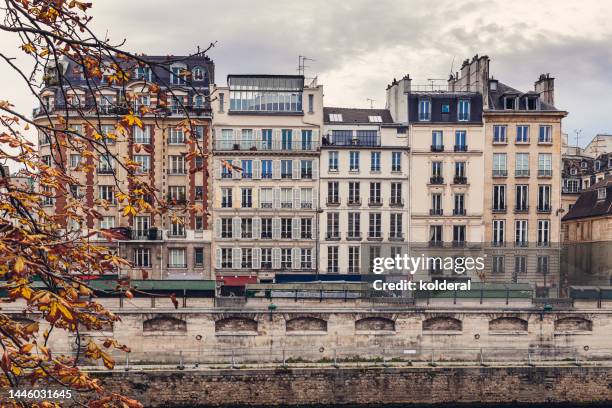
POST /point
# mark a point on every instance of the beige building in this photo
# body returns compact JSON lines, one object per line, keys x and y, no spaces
{"x":176,"y":244}
{"x":364,"y":189}
{"x":266,"y":171}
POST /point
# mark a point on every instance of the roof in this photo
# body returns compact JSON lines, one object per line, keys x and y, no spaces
{"x":496,"y":98}
{"x":588,"y":206}
{"x":357,"y":115}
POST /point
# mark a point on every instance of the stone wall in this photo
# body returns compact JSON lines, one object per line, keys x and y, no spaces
{"x":375,"y":386}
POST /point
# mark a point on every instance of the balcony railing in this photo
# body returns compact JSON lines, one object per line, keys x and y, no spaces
{"x":332,"y":236}
{"x":260,"y":144}
{"x":397,"y":236}
{"x":287,"y":205}
{"x":459,"y":180}
{"x":459,"y":211}
{"x":500,"y":173}
{"x":375,"y":236}
{"x":353,"y":236}
{"x":105,"y":171}
{"x":461,"y":148}
{"x":521,"y":173}
{"x":499,"y":209}
{"x":436,"y":211}
{"x":375,"y":202}
{"x":354,"y":201}
{"x":396,"y":202}
{"x":436,"y":180}
{"x":266,"y":235}
{"x":306,"y":206}
{"x":348,"y":140}
{"x":151,"y":234}
{"x":437,"y":148}
{"x":521,"y":209}
{"x":332,"y":201}
{"x":544,"y":173}
{"x":266,"y":204}
{"x":544,"y":209}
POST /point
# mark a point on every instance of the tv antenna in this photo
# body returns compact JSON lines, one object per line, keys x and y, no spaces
{"x":577,"y":132}
{"x":302,"y":64}
{"x":371,"y":102}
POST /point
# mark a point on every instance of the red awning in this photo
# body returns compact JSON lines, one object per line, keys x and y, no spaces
{"x":236,"y":280}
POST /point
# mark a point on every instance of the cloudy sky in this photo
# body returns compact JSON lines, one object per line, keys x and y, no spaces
{"x":360,"y":45}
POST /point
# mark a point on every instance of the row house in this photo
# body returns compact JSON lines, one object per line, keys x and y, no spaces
{"x":175,"y":245}
{"x":364,"y":189}
{"x":265,"y":170}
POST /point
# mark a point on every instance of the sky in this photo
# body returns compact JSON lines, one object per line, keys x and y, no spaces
{"x":359,"y":46}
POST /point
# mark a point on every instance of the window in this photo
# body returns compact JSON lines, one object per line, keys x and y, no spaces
{"x":573,"y":171}
{"x":107,"y":222}
{"x":332,"y":161}
{"x":141,"y":101}
{"x":437,"y":143}
{"x":445,"y":108}
{"x":522,"y":133}
{"x":463,"y":110}
{"x":353,"y":161}
{"x":522,"y":197}
{"x":306,"y":140}
{"x":375,"y":226}
{"x":396,"y":161}
{"x":545,"y":164}
{"x":435,"y":235}
{"x":310,"y":103}
{"x":354,"y":193}
{"x":459,"y":204}
{"x":520,"y":264}
{"x":197,"y":74}
{"x":601,"y":193}
{"x":544,"y":198}
{"x":247,"y":169}
{"x":106,"y":193}
{"x":543,"y":232}
{"x":286,"y":227}
{"x":176,"y":165}
{"x":332,"y":192}
{"x":106,"y":165}
{"x":498,"y":264}
{"x":143,"y":73}
{"x":375,"y":119}
{"x":543,"y":263}
{"x":226,"y":197}
{"x":459,"y":171}
{"x":221,"y":102}
{"x":266,"y":169}
{"x":353,"y":266}
{"x":460,"y":141}
{"x":176,"y":193}
{"x":198,"y":101}
{"x":520,"y":232}
{"x":500,"y":168}
{"x":286,"y":262}
{"x":286,"y":139}
{"x":424,"y":110}
{"x":436,"y":204}
{"x":395,"y":232}
{"x":332,"y":259}
{"x":436,"y":172}
{"x":545,"y":134}
{"x":142,"y":257}
{"x":499,"y":197}
{"x":522,"y":165}
{"x":177,"y":258}
{"x":246,"y":228}
{"x":396,"y":194}
{"x":286,"y":198}
{"x":375,"y":193}
{"x":354,"y":225}
{"x":177,"y":76}
{"x":199,"y":223}
{"x":306,"y":228}
{"x":333,"y":225}
{"x":335,"y":117}
{"x":572,"y":186}
{"x":509,"y":102}
{"x":177,"y":227}
{"x":226,"y":258}
{"x":499,"y":133}
{"x":75,"y":160}
{"x":247,"y":198}
{"x":306,"y":169}
{"x":306,"y":198}
{"x":246,"y":258}
{"x":458,"y":234}
{"x":176,"y":135}
{"x":375,"y":161}
{"x":198,"y":256}
{"x":266,"y":258}
{"x":141,"y":136}
{"x":246,"y":139}
{"x":499,"y":227}
{"x":266,"y":228}
{"x":286,"y":169}
{"x":144,"y":161}
{"x":306,"y":257}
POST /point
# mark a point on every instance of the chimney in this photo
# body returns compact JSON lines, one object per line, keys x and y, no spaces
{"x":545,"y":87}
{"x":397,"y":98}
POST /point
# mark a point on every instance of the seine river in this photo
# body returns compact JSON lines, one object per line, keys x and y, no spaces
{"x":508,"y":405}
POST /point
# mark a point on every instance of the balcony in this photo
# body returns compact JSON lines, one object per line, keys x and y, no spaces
{"x":521,"y":209}
{"x":499,"y":210}
{"x":436,"y":243}
{"x":332,"y":236}
{"x":500,"y":173}
{"x":265,"y":204}
{"x":398,"y":236}
{"x":266,"y":235}
{"x":176,"y":234}
{"x":436,"y":211}
{"x":459,"y":211}
{"x":458,"y":244}
{"x":544,"y":209}
{"x":105,"y":171}
{"x":375,"y":202}
{"x":566,"y":190}
{"x":151,"y":234}
{"x":354,"y":202}
{"x":332,"y":201}
{"x":351,"y":141}
{"x":90,"y":108}
{"x":436,"y":180}
{"x":396,"y":202}
{"x":375,"y":236}
{"x":459,"y":180}
{"x":521,"y":173}
{"x":287,"y":205}
{"x":177,"y":199}
{"x":461,"y":148}
{"x":544,"y":173}
{"x":437,"y":148}
{"x":266,"y":145}
{"x":521,"y":244}
{"x":353,"y":236}
{"x":306,"y":235}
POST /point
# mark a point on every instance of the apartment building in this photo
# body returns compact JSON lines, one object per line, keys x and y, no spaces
{"x":266,"y":177}
{"x":173,"y":245}
{"x":446,"y":163}
{"x":364,"y":189}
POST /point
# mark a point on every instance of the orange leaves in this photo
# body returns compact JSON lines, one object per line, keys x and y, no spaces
{"x":28,"y":48}
{"x":94,"y":352}
{"x":129,"y":210}
{"x":130,"y":120}
{"x":81,"y":5}
{"x":19,"y":264}
{"x":5,"y":362}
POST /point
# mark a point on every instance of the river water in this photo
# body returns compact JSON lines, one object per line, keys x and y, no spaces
{"x":505,"y":405}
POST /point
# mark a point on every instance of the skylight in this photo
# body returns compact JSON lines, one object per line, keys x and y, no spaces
{"x":376,"y":119}
{"x":335,"y":117}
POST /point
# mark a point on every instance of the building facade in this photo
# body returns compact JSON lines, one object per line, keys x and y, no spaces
{"x":364,"y":189}
{"x":172,"y":245}
{"x":265,"y":171}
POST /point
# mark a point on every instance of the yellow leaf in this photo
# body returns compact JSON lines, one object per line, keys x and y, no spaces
{"x":19,"y":264}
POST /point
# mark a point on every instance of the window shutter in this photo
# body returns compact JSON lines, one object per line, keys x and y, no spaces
{"x":276,"y":228}
{"x":218,"y":228}
{"x":236,"y":174}
{"x":315,"y":169}
{"x":256,"y":258}
{"x":296,"y":136}
{"x":218,"y":169}
{"x":276,"y":170}
{"x":315,"y":197}
{"x":296,"y":198}
{"x":315,"y":139}
{"x":218,"y":259}
{"x":236,"y":256}
{"x":295,"y":258}
{"x":276,"y":139}
{"x":295,"y":228}
{"x":235,"y":137}
{"x":236,"y":227}
{"x":258,"y":139}
{"x":256,"y":169}
{"x":276,"y":197}
{"x":296,"y":169}
{"x":256,"y":227}
{"x":276,"y":258}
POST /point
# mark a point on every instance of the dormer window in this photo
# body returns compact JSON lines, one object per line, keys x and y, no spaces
{"x":177,"y":76}
{"x":601,"y":193}
{"x":463,"y":110}
{"x":198,"y":74}
{"x":532,"y":103}
{"x":597,"y":165}
{"x":573,"y":171}
{"x":509,"y":102}
{"x":335,"y":117}
{"x":424,"y":110}
{"x":445,"y":108}
{"x":583,"y":165}
{"x":143,"y":74}
{"x":375,"y":119}
{"x":493,"y":85}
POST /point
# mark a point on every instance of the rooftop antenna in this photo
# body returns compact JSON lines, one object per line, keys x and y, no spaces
{"x":577,"y":132}
{"x":371,"y":102}
{"x":302,"y":64}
